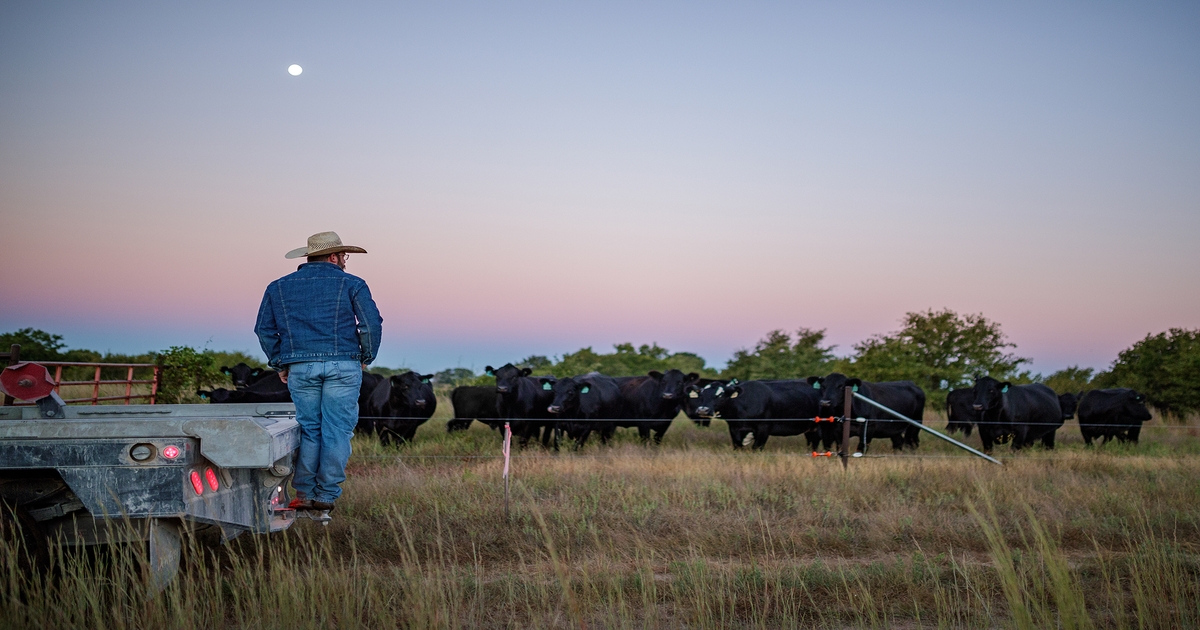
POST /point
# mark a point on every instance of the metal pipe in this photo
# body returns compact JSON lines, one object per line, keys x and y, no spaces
{"x":925,"y":428}
{"x":847,"y":413}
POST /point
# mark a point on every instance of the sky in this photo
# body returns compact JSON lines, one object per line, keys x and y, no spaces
{"x":533,"y":178}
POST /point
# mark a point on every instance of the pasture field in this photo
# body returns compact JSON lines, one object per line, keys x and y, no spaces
{"x":688,"y":535}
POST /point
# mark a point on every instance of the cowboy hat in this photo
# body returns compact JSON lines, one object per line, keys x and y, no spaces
{"x":323,"y":244}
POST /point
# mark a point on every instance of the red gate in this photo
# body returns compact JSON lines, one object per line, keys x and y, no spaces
{"x":14,"y":356}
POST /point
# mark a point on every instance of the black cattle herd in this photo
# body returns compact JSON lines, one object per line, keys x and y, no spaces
{"x":578,"y":406}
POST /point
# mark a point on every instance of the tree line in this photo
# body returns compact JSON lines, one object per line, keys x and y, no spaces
{"x":937,"y":350}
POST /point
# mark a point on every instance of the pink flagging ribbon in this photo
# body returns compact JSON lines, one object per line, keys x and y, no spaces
{"x":507,"y":447}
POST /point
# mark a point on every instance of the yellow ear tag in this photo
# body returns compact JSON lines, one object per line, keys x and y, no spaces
{"x":693,"y":395}
{"x":733,"y":395}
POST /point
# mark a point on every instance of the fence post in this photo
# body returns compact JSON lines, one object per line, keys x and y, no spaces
{"x":507,"y":457}
{"x":154,"y":386}
{"x":847,"y":412}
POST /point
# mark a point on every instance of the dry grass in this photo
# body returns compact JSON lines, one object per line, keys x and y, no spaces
{"x":691,"y":534}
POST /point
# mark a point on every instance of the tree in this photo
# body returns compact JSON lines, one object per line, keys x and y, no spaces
{"x":625,"y":360}
{"x":36,"y":345}
{"x":777,"y":356}
{"x":1165,"y":367}
{"x":1072,"y":379}
{"x":937,"y":350}
{"x":454,"y":376}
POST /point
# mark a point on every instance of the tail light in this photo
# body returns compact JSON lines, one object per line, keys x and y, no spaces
{"x":211,"y":478}
{"x":197,"y":483}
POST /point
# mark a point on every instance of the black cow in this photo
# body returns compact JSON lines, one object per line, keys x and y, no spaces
{"x":651,"y":402}
{"x":1068,"y":403}
{"x":1110,"y":413}
{"x":756,"y":410}
{"x":369,"y":383}
{"x":960,"y":412}
{"x":691,"y":394}
{"x":397,"y":406}
{"x":243,"y":375}
{"x":473,"y":403}
{"x":267,"y":390}
{"x":1027,"y":412}
{"x":902,"y":396}
{"x":522,"y":400}
{"x":591,"y":402}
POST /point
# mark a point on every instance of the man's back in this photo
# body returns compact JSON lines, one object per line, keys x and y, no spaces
{"x":319,"y":313}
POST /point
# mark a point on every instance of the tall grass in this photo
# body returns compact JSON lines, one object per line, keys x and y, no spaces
{"x":688,"y":535}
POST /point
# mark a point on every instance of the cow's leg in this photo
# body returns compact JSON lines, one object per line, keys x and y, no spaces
{"x":897,"y":442}
{"x":813,"y":438}
{"x":760,"y":439}
{"x":736,"y":435}
{"x":1134,"y":432}
{"x":659,"y":432}
{"x":643,"y":432}
{"x":1018,"y":439}
{"x":1087,"y":437}
{"x":1048,"y":440}
{"x":582,"y":437}
{"x":985,"y":436}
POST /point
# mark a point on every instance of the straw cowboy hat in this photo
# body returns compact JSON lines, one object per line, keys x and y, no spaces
{"x":323,"y":244}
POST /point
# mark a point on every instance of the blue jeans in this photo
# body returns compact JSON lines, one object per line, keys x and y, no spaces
{"x":326,"y":397}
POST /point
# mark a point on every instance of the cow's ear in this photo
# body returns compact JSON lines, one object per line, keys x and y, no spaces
{"x":225,"y":370}
{"x":732,"y":382}
{"x":654,"y":374}
{"x":691,"y":377}
{"x":815,"y":381}
{"x":256,"y":372}
{"x":1004,"y":387}
{"x":489,"y":370}
{"x":854,"y":383}
{"x":203,"y":394}
{"x":547,"y":383}
{"x":734,"y":391}
{"x":526,"y":371}
{"x":426,"y":378}
{"x":585,"y":389}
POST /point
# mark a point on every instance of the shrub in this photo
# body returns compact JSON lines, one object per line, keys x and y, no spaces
{"x":1165,"y":367}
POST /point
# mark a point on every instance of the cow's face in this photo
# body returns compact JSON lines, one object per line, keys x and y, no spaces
{"x":507,"y":377}
{"x":962,"y":414}
{"x":709,"y":400}
{"x":833,"y":391}
{"x":240,"y":374}
{"x":673,"y":383}
{"x":989,"y":394}
{"x":1135,"y":407}
{"x":566,"y":396}
{"x":219,"y":395}
{"x":1068,"y":403}
{"x":411,"y":390}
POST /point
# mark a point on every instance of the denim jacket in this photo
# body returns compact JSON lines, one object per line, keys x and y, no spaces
{"x":318,"y":313}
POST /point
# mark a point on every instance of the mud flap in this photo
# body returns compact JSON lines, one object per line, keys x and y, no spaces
{"x":165,"y":547}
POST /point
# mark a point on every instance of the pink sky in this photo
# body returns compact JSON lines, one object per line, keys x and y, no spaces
{"x":691,"y":177}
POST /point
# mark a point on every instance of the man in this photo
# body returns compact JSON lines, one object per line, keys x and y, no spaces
{"x":320,"y":328}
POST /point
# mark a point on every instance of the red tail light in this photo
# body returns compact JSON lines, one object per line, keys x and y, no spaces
{"x":170,"y":452}
{"x":197,"y":483}
{"x":211,"y":478}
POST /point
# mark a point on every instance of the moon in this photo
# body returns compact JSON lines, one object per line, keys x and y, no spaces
{"x":295,"y":70}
